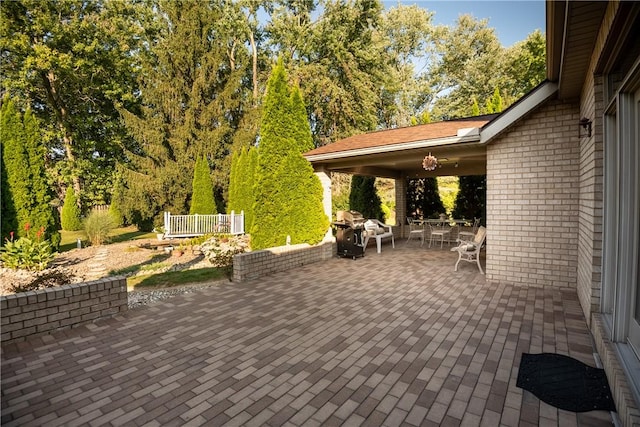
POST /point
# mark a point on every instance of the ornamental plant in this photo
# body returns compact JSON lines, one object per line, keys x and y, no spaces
{"x":219,"y":250}
{"x":31,"y":252}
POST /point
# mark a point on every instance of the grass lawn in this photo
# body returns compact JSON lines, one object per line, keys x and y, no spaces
{"x":175,"y":278}
{"x":70,"y":238}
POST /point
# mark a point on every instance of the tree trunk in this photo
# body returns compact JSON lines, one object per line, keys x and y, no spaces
{"x":254,"y":54}
{"x":62,"y":115}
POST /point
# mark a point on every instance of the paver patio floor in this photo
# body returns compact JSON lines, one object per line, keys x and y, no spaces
{"x":391,"y":339}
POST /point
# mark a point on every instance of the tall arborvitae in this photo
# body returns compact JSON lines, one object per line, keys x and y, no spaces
{"x":70,"y":215}
{"x":26,"y":197}
{"x":41,"y":212}
{"x":472,"y":198}
{"x":202,"y":201}
{"x":288,"y":193}
{"x":364,"y":197}
{"x":242,"y":184}
{"x":232,"y":195}
{"x":423,"y":198}
{"x":12,"y":169}
{"x":192,"y":97}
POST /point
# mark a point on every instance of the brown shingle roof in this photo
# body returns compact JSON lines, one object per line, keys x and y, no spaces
{"x":402,"y":135}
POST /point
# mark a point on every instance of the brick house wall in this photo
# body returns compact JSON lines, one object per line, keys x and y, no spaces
{"x":533,"y":198}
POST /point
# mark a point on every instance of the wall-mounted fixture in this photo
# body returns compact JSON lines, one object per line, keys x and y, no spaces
{"x":585,"y":127}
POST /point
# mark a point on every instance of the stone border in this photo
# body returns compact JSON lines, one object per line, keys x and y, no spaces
{"x":35,"y":313}
{"x":253,"y":265}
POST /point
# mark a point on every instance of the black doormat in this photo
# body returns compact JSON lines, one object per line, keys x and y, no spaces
{"x":565,"y":382}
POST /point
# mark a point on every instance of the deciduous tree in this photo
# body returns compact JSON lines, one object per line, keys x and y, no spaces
{"x":72,"y":61}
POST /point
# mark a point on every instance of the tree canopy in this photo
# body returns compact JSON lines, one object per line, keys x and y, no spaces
{"x":128,"y":94}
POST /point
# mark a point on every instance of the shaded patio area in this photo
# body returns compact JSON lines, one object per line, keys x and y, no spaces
{"x":391,"y":339}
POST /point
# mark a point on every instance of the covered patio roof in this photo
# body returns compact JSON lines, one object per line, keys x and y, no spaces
{"x":397,"y":153}
{"x":459,"y":145}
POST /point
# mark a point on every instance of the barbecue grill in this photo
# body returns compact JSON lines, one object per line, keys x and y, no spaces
{"x":350,"y":227}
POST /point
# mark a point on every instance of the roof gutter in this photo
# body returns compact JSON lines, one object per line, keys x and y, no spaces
{"x":464,"y":135}
{"x":517,"y":111}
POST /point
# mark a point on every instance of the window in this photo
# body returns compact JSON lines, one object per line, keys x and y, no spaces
{"x":621,"y":239}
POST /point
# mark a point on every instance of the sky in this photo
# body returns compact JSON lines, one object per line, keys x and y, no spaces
{"x":513,"y":20}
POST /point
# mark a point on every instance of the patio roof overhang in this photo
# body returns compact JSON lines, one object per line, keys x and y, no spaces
{"x":398,"y":153}
{"x":459,"y":145}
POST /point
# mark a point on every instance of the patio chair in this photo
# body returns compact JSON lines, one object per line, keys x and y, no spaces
{"x":416,"y":229}
{"x":470,"y":250}
{"x":439,"y":230}
{"x":469,"y":235}
{"x":374,"y":228}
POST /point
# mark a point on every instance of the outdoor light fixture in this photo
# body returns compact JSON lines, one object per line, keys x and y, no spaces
{"x":430,"y":162}
{"x":585,"y":124}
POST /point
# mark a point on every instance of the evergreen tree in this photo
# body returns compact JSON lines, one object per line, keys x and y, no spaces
{"x":423,"y":198}
{"x":288,"y":198}
{"x":471,"y":200}
{"x":26,"y":197}
{"x":242,"y":184}
{"x":364,"y":198}
{"x":496,"y":101}
{"x":70,"y":216}
{"x":14,"y":179}
{"x":202,"y":201}
{"x":41,"y":212}
{"x":475,"y":108}
{"x":193,"y":98}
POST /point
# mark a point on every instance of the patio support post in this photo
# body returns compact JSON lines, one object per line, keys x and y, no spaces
{"x":325,"y":179}
{"x":401,"y":204}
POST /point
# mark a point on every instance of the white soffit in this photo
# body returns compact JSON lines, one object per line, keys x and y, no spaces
{"x":517,"y":111}
{"x":467,"y":137}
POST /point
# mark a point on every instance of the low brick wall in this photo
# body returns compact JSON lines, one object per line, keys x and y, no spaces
{"x":35,"y":313}
{"x":252,"y":265}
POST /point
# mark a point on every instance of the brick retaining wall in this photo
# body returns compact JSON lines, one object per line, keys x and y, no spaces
{"x":252,"y":265}
{"x":34,"y":313}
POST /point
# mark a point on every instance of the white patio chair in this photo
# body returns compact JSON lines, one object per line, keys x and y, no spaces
{"x":470,"y":250}
{"x":439,"y":230}
{"x":416,"y":229}
{"x":378,"y":230}
{"x":469,"y":235}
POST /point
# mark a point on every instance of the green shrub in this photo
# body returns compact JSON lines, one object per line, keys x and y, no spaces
{"x":70,"y":216}
{"x":31,"y":252}
{"x":202,"y":200}
{"x":97,"y":226}
{"x":219,"y":250}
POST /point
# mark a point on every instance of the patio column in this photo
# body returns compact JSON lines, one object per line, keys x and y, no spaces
{"x":401,"y":204}
{"x":325,"y":179}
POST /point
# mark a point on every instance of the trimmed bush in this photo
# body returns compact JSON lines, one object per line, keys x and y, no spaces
{"x":202,"y":200}
{"x":288,"y":195}
{"x":70,"y":216}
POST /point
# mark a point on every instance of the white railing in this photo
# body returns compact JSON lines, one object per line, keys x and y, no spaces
{"x":199,"y":225}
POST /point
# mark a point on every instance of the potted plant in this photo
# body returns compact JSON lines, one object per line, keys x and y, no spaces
{"x":159,"y":230}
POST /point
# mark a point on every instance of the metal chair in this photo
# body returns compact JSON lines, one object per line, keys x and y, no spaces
{"x":415,"y":229}
{"x":470,"y":250}
{"x":439,"y":229}
{"x":469,"y":235}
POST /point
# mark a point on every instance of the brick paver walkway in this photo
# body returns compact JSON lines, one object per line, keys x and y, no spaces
{"x":391,"y":339}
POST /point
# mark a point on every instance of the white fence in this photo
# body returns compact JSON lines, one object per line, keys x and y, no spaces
{"x":199,"y":225}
